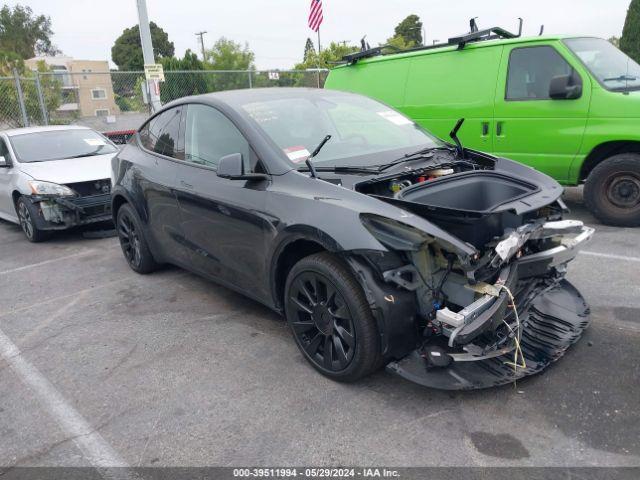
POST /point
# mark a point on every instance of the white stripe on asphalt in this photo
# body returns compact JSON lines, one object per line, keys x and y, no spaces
{"x":47,"y":262}
{"x":90,"y":442}
{"x":611,"y":256}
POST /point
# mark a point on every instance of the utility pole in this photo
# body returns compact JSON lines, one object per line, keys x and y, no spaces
{"x":201,"y":35}
{"x":147,"y":53}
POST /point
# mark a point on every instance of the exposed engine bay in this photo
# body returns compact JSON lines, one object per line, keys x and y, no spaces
{"x":500,"y":313}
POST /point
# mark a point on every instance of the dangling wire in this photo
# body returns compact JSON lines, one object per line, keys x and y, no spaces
{"x":516,"y":335}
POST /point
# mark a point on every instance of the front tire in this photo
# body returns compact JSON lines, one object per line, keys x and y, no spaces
{"x":27,"y":214}
{"x":133,"y":242}
{"x":612,"y":190}
{"x":330,"y":318}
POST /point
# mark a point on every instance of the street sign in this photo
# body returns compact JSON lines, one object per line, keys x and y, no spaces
{"x":274,"y":76}
{"x":154,"y":72}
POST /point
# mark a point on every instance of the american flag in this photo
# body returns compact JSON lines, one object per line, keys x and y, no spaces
{"x":315,"y":15}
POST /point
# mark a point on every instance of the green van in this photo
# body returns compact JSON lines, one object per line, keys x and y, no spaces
{"x":569,"y":107}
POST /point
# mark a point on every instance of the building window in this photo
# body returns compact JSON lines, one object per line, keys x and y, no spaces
{"x":103,"y":112}
{"x":98,"y":94}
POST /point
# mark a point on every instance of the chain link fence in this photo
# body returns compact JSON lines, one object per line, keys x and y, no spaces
{"x":119,"y":101}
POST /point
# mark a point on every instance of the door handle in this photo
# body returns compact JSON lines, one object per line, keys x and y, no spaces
{"x":499,"y":127}
{"x":185,"y":184}
{"x":485,"y":129}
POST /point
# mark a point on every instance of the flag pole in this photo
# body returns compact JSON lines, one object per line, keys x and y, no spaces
{"x":319,"y":52}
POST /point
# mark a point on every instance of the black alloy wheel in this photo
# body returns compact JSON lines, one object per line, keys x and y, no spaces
{"x":322,"y":323}
{"x":132,"y":241}
{"x":330,"y":318}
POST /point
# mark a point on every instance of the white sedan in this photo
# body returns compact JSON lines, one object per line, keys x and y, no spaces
{"x":53,"y":178}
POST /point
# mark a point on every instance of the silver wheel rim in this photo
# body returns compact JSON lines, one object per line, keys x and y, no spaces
{"x":25,"y":220}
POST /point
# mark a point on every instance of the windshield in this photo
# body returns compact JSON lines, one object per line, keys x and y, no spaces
{"x":360,"y":128}
{"x":59,"y":145}
{"x":613,"y":68}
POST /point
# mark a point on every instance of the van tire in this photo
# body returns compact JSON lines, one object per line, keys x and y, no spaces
{"x":612,"y":190}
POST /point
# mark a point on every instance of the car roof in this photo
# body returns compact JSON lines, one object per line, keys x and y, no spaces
{"x":469,"y":46}
{"x":236,"y":98}
{"x":50,"y":128}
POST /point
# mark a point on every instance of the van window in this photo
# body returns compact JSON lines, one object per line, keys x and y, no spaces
{"x":210,"y":136}
{"x":531,"y":70}
{"x":162,"y":133}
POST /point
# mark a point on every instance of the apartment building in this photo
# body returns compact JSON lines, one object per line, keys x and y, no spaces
{"x":87,"y":90}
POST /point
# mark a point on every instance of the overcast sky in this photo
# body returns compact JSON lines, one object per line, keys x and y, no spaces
{"x":276,"y":30}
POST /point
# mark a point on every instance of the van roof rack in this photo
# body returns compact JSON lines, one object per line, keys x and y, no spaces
{"x":475,"y":35}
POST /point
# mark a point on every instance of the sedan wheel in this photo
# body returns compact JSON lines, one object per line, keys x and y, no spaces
{"x":26,"y":213}
{"x":331,"y":319}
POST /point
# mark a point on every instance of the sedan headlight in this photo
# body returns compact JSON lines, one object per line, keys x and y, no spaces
{"x":48,"y":188}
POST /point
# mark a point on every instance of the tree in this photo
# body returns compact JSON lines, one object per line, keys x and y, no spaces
{"x":630,"y":41}
{"x":9,"y":106}
{"x":126,"y":52}
{"x":615,"y":41}
{"x":10,"y":61}
{"x":410,"y":30}
{"x":309,"y":49}
{"x":25,"y":34}
{"x":229,"y":55}
{"x":178,"y":84}
{"x":328,"y":58}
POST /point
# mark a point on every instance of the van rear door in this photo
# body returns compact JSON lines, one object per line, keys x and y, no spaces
{"x":444,"y":86}
{"x":530,"y":127}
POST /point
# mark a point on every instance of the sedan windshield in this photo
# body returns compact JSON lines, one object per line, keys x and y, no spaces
{"x":614,"y":69}
{"x":361,"y":129}
{"x":60,"y":145}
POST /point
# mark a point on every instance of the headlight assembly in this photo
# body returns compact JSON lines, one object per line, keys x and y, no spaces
{"x":395,"y":235}
{"x":48,"y":188}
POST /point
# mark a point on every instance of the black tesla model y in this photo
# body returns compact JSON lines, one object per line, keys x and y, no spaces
{"x":380,"y":244}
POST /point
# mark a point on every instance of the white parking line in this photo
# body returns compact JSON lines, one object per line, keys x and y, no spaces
{"x":46,"y":262}
{"x":611,"y":256}
{"x":91,"y":444}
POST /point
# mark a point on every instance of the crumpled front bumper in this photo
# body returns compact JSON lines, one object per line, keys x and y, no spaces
{"x":554,"y":322}
{"x":59,"y":213}
{"x":553,"y":316}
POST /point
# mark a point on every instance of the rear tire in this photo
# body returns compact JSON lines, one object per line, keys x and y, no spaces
{"x":27,"y":214}
{"x":133,"y":242}
{"x":330,"y":318}
{"x":612,"y":190}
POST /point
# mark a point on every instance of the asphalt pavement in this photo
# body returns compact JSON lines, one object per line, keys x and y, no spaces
{"x":100,"y":366}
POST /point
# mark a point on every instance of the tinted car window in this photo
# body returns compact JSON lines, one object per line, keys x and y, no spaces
{"x":209,"y":136}
{"x":531,"y":70}
{"x":3,"y":149}
{"x":162,"y":134}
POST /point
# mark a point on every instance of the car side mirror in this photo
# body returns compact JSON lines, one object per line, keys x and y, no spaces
{"x":3,"y":162}
{"x":565,"y":87}
{"x":232,"y":167}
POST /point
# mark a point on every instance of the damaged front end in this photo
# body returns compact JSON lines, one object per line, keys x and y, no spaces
{"x":493,"y":307}
{"x":64,"y":206}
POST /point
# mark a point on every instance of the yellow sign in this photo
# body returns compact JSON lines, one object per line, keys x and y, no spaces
{"x":154,"y":72}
